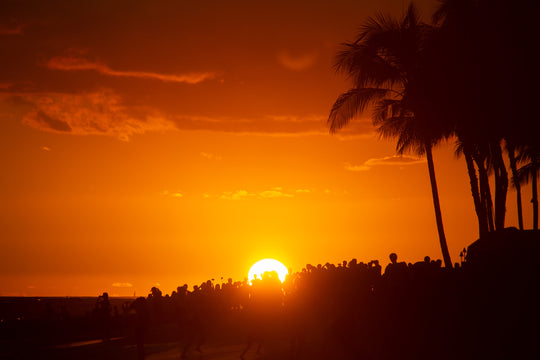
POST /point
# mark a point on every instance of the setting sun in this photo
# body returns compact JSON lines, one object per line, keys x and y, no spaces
{"x":372,"y":166}
{"x":264,"y":265}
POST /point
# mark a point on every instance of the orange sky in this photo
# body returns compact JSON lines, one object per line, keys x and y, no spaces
{"x":170,"y":142}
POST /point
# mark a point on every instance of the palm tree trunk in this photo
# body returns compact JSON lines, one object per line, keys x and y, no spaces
{"x":473,"y":179}
{"x":485,"y":192}
{"x":535,"y":192}
{"x":513,"y":167}
{"x":437,"y":206}
{"x":501,"y":186}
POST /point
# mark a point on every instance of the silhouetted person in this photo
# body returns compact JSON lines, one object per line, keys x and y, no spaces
{"x":395,"y":270}
{"x":422,"y":268}
{"x":199,"y":313}
{"x":393,"y":262}
{"x":103,"y":312}
{"x":155,"y":301}
{"x":141,"y":324}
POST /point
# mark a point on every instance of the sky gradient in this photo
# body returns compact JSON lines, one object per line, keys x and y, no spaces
{"x":171,"y":142}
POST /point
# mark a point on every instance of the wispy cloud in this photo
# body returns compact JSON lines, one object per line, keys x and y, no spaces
{"x":296,"y":62}
{"x":356,"y":167}
{"x":172,"y":194}
{"x":18,"y":87}
{"x":75,"y":63}
{"x":12,"y":29}
{"x":210,"y":156}
{"x":104,"y":112}
{"x":45,"y":148}
{"x":273,"y":193}
{"x":273,"y":125}
{"x":99,"y":113}
{"x":235,"y":195}
{"x":395,"y":160}
{"x":122,"y":284}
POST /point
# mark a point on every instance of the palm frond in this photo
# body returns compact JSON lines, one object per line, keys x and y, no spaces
{"x":351,"y":103}
{"x":459,"y":148}
{"x":441,"y":13}
{"x":385,"y":109}
{"x":380,"y":23}
{"x":384,"y":51}
{"x":392,"y":127}
{"x":526,"y":173}
{"x":528,"y":153}
{"x":367,"y":67}
{"x":450,"y":10}
{"x":385,"y":64}
{"x":400,"y":127}
{"x":411,"y":18}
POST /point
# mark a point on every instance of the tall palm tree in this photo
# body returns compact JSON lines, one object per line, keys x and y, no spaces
{"x":385,"y":64}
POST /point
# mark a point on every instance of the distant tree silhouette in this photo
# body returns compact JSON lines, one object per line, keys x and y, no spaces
{"x":385,"y":64}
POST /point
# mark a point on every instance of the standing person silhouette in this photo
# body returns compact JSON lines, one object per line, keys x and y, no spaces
{"x":141,"y":324}
{"x":394,"y":269}
{"x":103,"y":307}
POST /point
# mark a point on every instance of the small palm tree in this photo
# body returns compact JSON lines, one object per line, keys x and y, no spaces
{"x":530,"y":172}
{"x":385,"y":64}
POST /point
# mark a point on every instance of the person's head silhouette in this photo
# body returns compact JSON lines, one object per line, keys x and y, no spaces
{"x":393,"y":258}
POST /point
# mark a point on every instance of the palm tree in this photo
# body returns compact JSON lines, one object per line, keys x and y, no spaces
{"x":492,"y":80}
{"x":453,"y":92}
{"x":385,"y":64}
{"x":480,"y":202}
{"x":530,"y":171}
{"x":511,"y":151}
{"x":490,"y":72}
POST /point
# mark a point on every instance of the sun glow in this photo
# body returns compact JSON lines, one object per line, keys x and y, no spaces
{"x":264,"y":265}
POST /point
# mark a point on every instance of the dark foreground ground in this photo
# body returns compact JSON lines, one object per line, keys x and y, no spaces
{"x":122,"y":349}
{"x":161,"y":342}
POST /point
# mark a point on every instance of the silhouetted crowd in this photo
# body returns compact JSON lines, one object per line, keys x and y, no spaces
{"x":324,"y":310}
